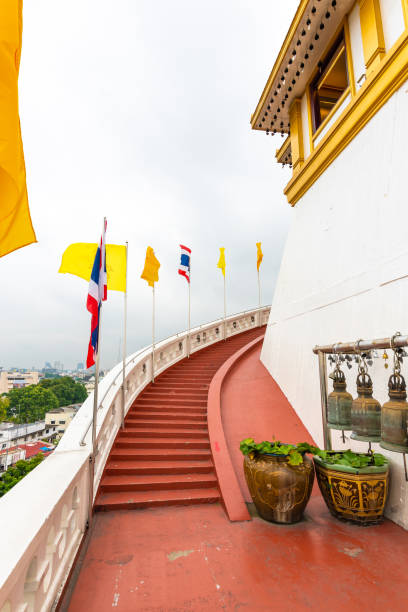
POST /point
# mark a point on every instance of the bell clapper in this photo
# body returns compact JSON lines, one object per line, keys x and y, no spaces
{"x":343,"y":436}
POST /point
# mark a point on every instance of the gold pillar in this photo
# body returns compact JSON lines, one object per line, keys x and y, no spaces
{"x":296,"y":135}
{"x":405,"y":12}
{"x":372,"y":34}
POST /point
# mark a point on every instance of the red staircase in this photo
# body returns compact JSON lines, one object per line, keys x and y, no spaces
{"x":162,"y":456}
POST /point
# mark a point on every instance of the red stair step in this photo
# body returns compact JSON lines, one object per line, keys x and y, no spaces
{"x":172,"y":466}
{"x":156,"y":482}
{"x":129,"y":500}
{"x":159,"y":454}
{"x":161,"y":432}
{"x":135,"y":417}
{"x":163,"y":443}
{"x":163,"y":423}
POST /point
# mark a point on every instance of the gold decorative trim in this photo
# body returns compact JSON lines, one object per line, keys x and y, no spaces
{"x":296,"y":135}
{"x":374,"y":93}
{"x":282,"y":152}
{"x":405,"y":11}
{"x":372,"y":33}
{"x":288,"y":39}
{"x":349,"y":55}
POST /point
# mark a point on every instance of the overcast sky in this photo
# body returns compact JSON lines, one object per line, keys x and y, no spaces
{"x":139,"y":110}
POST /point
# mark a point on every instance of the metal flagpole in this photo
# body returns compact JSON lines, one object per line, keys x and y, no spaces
{"x":95,"y":411}
{"x":153,"y":335}
{"x":259,"y":298}
{"x":225,"y":311}
{"x":124,"y":342}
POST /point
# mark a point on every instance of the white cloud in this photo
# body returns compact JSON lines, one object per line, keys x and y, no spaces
{"x":140,"y":111}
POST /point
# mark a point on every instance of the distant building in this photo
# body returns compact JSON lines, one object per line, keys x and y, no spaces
{"x":11,"y":455}
{"x":17,"y":380}
{"x":80,"y":366}
{"x":12,"y":434}
{"x":60,"y":418}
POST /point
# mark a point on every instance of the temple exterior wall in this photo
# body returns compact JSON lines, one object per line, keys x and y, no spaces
{"x":344,"y":273}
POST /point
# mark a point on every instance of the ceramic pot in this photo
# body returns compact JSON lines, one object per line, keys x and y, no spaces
{"x":354,"y":494}
{"x":279,"y":491}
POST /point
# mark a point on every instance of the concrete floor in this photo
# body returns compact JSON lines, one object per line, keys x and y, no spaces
{"x":178,"y":559}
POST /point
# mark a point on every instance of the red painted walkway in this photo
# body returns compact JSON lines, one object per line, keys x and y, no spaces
{"x":163,"y":457}
{"x":179,"y":559}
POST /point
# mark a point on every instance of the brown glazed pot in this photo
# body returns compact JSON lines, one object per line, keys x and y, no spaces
{"x":279,"y":491}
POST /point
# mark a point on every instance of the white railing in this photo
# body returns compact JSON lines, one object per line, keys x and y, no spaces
{"x":45,"y":515}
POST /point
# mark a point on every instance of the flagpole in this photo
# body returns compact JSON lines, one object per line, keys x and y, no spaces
{"x":95,"y":409}
{"x":189,"y":325}
{"x":259,"y":298}
{"x":225,"y":311}
{"x":153,"y":335}
{"x":124,"y":342}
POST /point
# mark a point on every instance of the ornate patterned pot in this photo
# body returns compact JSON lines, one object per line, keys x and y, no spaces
{"x":279,"y":491}
{"x":354,"y":494}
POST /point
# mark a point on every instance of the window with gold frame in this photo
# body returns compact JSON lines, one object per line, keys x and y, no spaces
{"x":330,"y":83}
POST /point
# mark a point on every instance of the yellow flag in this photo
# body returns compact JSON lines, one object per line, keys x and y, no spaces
{"x":79,"y":257}
{"x":221,"y":261}
{"x":259,"y":255}
{"x":151,"y":268}
{"x":16,"y":229}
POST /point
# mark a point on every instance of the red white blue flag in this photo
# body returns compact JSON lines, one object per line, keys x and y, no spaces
{"x":184,"y":267}
{"x":97,"y":293}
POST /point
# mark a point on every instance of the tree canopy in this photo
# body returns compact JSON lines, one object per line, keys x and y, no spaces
{"x":31,"y":403}
{"x":16,"y":472}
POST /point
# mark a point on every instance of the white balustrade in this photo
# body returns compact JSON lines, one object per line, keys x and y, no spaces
{"x":44,"y":517}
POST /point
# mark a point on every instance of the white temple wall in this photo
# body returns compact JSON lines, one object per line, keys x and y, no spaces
{"x":344,"y":273}
{"x":392,"y":20}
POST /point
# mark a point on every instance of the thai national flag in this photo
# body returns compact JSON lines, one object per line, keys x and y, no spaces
{"x":97,"y":292}
{"x":184,"y":267}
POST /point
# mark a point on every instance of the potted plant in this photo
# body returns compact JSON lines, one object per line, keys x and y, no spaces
{"x":354,"y":485}
{"x":279,"y":477}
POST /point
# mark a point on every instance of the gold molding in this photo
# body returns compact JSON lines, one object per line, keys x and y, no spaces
{"x":372,"y":33}
{"x":296,"y":135}
{"x":282,"y":152}
{"x":405,"y":11}
{"x":374,"y":93}
{"x":349,"y":54}
{"x":288,"y":39}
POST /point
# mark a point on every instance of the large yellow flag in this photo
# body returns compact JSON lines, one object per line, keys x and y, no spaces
{"x":16,"y":229}
{"x":221,"y":261}
{"x":259,"y":255}
{"x":151,"y":268}
{"x":79,"y":257}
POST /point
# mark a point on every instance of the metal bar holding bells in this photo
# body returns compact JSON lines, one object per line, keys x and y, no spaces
{"x":363,"y":345}
{"x":323,"y":394}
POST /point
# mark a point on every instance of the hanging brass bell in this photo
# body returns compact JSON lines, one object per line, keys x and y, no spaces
{"x":394,"y":416}
{"x":365,"y":411}
{"x":339,"y":403}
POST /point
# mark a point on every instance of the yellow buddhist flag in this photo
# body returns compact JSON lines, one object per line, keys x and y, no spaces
{"x":221,"y":261}
{"x":259,"y":255}
{"x":151,"y":268}
{"x":79,"y":257}
{"x":16,"y":229}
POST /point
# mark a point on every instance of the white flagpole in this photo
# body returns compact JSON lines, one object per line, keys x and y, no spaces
{"x":259,"y":298}
{"x":95,"y":406}
{"x":189,"y":313}
{"x":225,"y":311}
{"x":124,"y":341}
{"x":153,"y":335}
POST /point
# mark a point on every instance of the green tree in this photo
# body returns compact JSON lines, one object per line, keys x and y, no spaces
{"x":30,"y":403}
{"x":67,"y":390}
{"x":4,"y":404}
{"x":16,"y":472}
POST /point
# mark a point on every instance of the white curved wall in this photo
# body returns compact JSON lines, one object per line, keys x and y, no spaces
{"x":344,"y":272}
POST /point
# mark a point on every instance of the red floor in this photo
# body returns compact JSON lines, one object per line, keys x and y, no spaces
{"x":178,"y":559}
